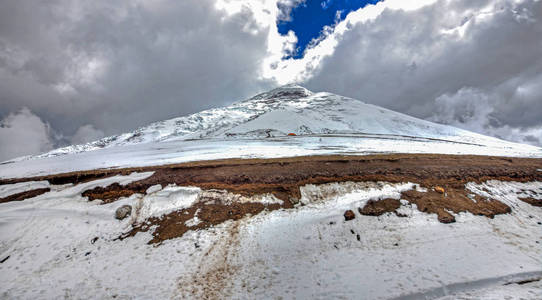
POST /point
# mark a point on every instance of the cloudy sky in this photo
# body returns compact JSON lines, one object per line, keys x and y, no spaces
{"x":75,"y":71}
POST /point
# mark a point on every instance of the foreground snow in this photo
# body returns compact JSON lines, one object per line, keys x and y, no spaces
{"x":61,"y":245}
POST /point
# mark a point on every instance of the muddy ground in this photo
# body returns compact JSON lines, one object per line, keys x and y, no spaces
{"x":444,"y":176}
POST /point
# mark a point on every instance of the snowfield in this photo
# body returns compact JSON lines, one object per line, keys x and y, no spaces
{"x":324,"y":123}
{"x":60,"y":245}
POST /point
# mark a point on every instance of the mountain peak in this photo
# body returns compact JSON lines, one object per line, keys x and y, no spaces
{"x":289,"y":91}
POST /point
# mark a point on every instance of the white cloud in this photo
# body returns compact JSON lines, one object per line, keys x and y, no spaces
{"x":472,"y":109}
{"x":23,"y":133}
{"x":468,"y":108}
{"x":86,"y":133}
{"x":299,"y":70}
{"x":466,"y":51}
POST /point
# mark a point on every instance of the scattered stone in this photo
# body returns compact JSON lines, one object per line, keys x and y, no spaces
{"x":94,"y":240}
{"x":352,"y":231}
{"x":396,"y":244}
{"x":87,"y":254}
{"x":123,"y":212}
{"x":331,"y":223}
{"x":439,"y":189}
{"x":349,"y":215}
{"x":358,"y":237}
{"x":445,"y":217}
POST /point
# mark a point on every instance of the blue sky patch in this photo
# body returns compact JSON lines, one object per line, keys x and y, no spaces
{"x":309,"y":18}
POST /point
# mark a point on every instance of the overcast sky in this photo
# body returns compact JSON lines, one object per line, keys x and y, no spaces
{"x":75,"y":71}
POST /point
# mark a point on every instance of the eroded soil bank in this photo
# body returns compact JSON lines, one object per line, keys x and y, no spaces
{"x":444,"y":177}
{"x":283,"y":177}
{"x":25,"y":195}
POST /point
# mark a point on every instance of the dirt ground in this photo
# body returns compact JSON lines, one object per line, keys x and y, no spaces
{"x":444,"y":176}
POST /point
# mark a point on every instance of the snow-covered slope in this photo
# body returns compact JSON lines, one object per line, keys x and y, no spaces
{"x":59,"y":245}
{"x":288,"y":109}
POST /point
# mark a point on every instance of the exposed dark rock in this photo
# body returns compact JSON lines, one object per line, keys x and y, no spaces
{"x":349,"y":215}
{"x":123,"y":212}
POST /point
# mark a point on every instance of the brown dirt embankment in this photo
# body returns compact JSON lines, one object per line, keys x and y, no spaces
{"x":282,"y":177}
{"x":25,"y":195}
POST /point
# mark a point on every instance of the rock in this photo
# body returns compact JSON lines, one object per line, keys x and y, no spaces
{"x":123,"y":212}
{"x":446,"y":218}
{"x":439,"y":189}
{"x":349,"y":215}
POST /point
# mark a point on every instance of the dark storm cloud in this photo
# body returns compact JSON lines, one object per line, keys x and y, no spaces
{"x":71,"y":71}
{"x":407,"y":61}
{"x":118,"y":65}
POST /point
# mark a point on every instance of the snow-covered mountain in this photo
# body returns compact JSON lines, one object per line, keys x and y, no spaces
{"x":325,"y":227}
{"x":262,"y":127}
{"x":287,"y":109}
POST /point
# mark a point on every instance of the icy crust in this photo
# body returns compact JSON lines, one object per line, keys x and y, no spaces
{"x":289,"y":109}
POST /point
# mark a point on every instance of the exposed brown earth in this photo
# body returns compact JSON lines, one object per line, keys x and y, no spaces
{"x":438,"y":201}
{"x":284,"y":170}
{"x":456,"y":199}
{"x":208,"y":214}
{"x":283,"y":177}
{"x":25,"y":195}
{"x":380,"y":207}
{"x":532,"y":201}
{"x":113,"y":192}
{"x":444,"y":176}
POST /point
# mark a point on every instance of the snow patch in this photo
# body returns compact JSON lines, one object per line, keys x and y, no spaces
{"x":194,"y":221}
{"x":15,"y":188}
{"x":169,"y":199}
{"x":346,"y":191}
{"x":507,"y":192}
{"x":306,"y":252}
{"x":224,"y":197}
{"x":153,"y":189}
